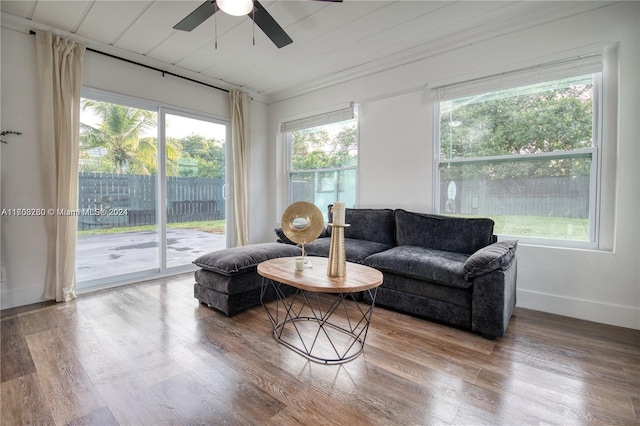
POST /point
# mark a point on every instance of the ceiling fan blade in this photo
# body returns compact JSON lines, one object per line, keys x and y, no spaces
{"x":269,"y":26}
{"x":197,"y":17}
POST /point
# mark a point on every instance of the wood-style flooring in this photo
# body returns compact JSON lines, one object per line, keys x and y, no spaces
{"x":150,"y":354}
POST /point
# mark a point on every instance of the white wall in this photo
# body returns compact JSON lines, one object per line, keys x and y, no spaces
{"x":261,"y":196}
{"x":23,"y":247}
{"x":396,"y":155}
{"x":382,"y":183}
{"x":23,"y":243}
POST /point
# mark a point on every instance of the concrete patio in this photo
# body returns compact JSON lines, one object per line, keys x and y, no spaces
{"x":100,"y":256}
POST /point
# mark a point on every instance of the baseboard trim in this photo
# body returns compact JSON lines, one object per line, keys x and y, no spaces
{"x":26,"y":309}
{"x":21,"y":296}
{"x":605,"y":313}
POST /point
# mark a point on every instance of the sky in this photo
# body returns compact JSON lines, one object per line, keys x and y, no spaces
{"x":177,"y":126}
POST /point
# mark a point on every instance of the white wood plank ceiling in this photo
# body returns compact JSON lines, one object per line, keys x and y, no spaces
{"x":331,"y":41}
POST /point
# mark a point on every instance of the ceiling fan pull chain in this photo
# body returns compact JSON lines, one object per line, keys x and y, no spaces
{"x":253,"y":11}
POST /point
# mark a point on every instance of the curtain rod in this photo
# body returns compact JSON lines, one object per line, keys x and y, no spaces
{"x":150,"y":67}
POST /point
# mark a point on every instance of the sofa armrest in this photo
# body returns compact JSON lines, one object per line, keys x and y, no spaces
{"x":493,"y":301}
{"x":496,"y":256}
{"x":493,"y":273}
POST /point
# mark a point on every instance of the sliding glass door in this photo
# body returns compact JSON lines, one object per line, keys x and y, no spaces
{"x":117,"y":191}
{"x":195,"y":170}
{"x":151,"y":190}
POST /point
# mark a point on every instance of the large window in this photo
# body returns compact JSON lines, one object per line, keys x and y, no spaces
{"x":525,"y":156}
{"x":323,"y":158}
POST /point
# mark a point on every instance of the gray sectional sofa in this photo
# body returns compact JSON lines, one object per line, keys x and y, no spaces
{"x":442,"y":268}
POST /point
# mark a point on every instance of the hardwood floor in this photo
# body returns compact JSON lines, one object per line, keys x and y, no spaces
{"x":149,"y":354}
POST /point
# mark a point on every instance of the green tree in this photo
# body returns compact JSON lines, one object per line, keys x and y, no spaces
{"x":209,"y":154}
{"x":316,"y":149}
{"x":119,"y":135}
{"x":345,"y":147}
{"x":307,"y":152}
{"x":515,"y":123}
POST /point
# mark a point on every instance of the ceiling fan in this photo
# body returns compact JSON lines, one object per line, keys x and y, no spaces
{"x":253,"y":9}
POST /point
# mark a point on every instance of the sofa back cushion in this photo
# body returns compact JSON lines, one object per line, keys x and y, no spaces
{"x":453,"y":234}
{"x":356,"y":251}
{"x":377,"y":225}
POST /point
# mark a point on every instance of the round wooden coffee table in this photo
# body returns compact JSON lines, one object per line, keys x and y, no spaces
{"x":321,"y":318}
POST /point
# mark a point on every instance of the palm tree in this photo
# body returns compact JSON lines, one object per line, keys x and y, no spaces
{"x":119,"y":134}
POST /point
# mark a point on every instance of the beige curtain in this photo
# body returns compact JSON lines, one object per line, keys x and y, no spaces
{"x":240,"y":141}
{"x":59,"y":64}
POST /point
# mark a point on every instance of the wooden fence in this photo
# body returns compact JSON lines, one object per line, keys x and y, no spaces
{"x":107,"y":200}
{"x":536,"y":196}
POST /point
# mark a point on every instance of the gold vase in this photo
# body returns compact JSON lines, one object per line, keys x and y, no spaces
{"x":337,"y":265}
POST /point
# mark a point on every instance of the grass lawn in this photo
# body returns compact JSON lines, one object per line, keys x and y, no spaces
{"x":211,"y":226}
{"x":560,"y":228}
{"x":557,"y":228}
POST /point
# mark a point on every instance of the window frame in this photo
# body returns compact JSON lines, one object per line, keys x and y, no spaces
{"x":555,"y":71}
{"x":311,"y":121}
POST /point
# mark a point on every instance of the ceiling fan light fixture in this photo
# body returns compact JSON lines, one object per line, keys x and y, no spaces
{"x":235,"y":7}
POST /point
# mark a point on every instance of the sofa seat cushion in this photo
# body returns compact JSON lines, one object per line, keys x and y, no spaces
{"x":356,"y":251}
{"x":237,"y":260}
{"x":437,"y":266}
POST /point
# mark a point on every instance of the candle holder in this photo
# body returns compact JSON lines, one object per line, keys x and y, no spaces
{"x":337,"y":265}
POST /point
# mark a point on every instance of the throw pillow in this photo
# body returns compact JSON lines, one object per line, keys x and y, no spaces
{"x":282,"y":237}
{"x":490,"y":258}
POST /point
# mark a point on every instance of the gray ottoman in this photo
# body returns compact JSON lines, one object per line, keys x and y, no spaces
{"x":229,"y":281}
